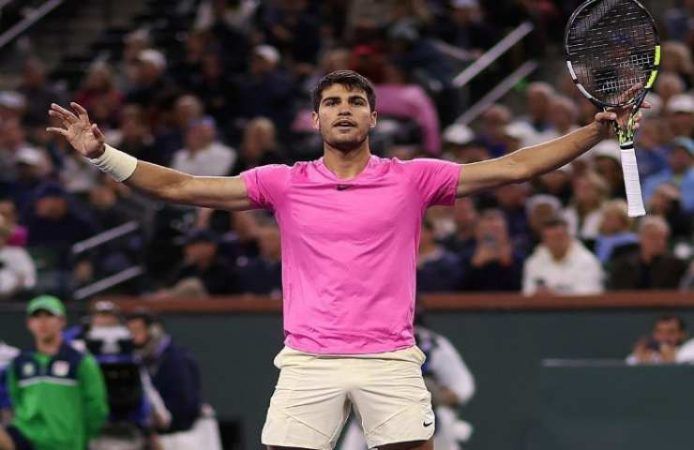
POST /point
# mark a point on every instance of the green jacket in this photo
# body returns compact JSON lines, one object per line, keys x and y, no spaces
{"x":59,"y":401}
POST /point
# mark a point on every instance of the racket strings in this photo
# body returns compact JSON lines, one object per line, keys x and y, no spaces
{"x":611,"y":47}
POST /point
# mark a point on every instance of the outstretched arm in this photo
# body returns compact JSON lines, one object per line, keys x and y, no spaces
{"x":529,"y":162}
{"x":156,"y":181}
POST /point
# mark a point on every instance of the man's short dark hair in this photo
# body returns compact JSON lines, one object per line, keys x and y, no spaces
{"x":670,"y":318}
{"x":348,"y":78}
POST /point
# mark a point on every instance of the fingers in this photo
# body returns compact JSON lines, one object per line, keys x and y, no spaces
{"x":62,"y":114}
{"x":57,"y":131}
{"x":81,"y":112}
{"x":97,"y":133}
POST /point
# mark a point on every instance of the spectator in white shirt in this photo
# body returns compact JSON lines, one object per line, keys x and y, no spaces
{"x":204,"y":154}
{"x":561,"y":265}
{"x":661,"y":347}
{"x":17,"y":270}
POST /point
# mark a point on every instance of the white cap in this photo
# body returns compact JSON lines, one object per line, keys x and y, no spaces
{"x":268,"y":53}
{"x":609,"y":148}
{"x":540,"y":199}
{"x":681,"y":103}
{"x":12,"y":100}
{"x":29,"y":156}
{"x":458,"y":134}
{"x":154,"y":57}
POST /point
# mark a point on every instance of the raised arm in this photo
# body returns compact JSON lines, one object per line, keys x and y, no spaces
{"x":153,"y":180}
{"x":529,"y":162}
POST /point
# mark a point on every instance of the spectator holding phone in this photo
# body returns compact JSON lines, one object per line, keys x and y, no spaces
{"x":661,"y":347}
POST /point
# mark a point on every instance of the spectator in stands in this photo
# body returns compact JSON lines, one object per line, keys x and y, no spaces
{"x":680,"y":172}
{"x":652,"y":155}
{"x":18,"y":233}
{"x":465,"y":216}
{"x":202,"y":262}
{"x":13,"y":140}
{"x":36,"y":87}
{"x":58,"y":394}
{"x":669,"y":87}
{"x":12,"y":105}
{"x":584,"y":214}
{"x":173,"y":370}
{"x":539,"y":98}
{"x":511,"y":200}
{"x":216,"y":89}
{"x":262,"y":274}
{"x":557,"y":183}
{"x":667,"y":336}
{"x":99,"y":91}
{"x":204,"y":153}
{"x":17,"y":269}
{"x":151,"y":87}
{"x":615,"y":232}
{"x":399,"y":97}
{"x":466,"y":28}
{"x":31,"y":169}
{"x":677,"y":59}
{"x":679,"y":115}
{"x":493,"y":265}
{"x":666,"y":203}
{"x":651,"y":265}
{"x":561,"y":265}
{"x":133,"y":43}
{"x":438,"y":270}
{"x":7,"y":354}
{"x":259,"y":146}
{"x":539,"y":209}
{"x":266,"y":90}
{"x":606,"y":162}
{"x":495,"y":121}
{"x":135,"y":135}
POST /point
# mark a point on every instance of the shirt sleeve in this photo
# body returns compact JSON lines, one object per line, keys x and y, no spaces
{"x":266,"y":185}
{"x":435,"y":180}
{"x":93,"y":395}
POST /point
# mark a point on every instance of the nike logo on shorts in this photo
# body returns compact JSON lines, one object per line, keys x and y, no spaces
{"x":427,"y":424}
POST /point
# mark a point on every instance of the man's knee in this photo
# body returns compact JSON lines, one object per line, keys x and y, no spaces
{"x":5,"y":441}
{"x":414,"y":445}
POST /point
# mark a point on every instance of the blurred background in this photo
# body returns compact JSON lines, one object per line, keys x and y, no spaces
{"x":569,"y":315}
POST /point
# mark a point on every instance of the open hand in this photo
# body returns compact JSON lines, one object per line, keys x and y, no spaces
{"x":83,"y":135}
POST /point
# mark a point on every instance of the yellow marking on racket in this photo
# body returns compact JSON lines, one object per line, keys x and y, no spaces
{"x":657,"y":55}
{"x":651,"y":80}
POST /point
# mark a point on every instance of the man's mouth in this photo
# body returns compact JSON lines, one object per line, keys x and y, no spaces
{"x":344,"y":124}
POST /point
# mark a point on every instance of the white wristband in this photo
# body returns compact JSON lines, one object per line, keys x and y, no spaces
{"x":116,"y":163}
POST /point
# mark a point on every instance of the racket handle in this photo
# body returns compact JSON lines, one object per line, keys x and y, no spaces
{"x":632,"y":183}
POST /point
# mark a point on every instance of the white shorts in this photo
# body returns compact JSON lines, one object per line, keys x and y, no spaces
{"x":315,"y":393}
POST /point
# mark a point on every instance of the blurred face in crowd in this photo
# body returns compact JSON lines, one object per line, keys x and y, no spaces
{"x":104,"y":319}
{"x":45,"y":327}
{"x":539,"y":99}
{"x":494,"y":121}
{"x":8,"y":211}
{"x":555,"y":181}
{"x":34,"y":74}
{"x":610,"y":170}
{"x":258,"y":136}
{"x":538,"y":215}
{"x":588,"y":191}
{"x":681,"y":123}
{"x":188,"y":108}
{"x":344,"y":117}
{"x":615,"y":219}
{"x":680,"y":160}
{"x":102,"y":197}
{"x":562,"y":113}
{"x":465,"y":215}
{"x":650,"y":134}
{"x":653,"y":239}
{"x":337,"y":59}
{"x":199,"y":135}
{"x":139,"y":332}
{"x":200,"y":252}
{"x":557,"y":240}
{"x":668,"y":332}
{"x":99,"y":78}
{"x":669,"y":85}
{"x":512,"y":196}
{"x":51,"y":207}
{"x":13,"y":134}
{"x":492,"y":227}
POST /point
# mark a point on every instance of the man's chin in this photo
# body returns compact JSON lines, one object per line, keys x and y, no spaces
{"x":346,"y":145}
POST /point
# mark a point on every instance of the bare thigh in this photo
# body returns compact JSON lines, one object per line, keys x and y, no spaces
{"x":5,"y":441}
{"x":416,"y":445}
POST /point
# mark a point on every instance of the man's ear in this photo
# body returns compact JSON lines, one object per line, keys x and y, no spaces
{"x":314,"y":118}
{"x":373,"y":120}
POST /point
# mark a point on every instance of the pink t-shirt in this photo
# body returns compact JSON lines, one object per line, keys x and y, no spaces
{"x":349,"y":248}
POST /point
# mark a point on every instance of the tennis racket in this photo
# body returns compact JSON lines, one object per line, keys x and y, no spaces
{"x":613,"y":54}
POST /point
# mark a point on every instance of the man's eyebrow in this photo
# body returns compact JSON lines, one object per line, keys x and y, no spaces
{"x":334,"y":97}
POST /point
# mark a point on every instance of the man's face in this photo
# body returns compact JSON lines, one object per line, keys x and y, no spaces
{"x":344,"y":117}
{"x":557,"y":240}
{"x":104,"y":319}
{"x":139,"y":332}
{"x":653,"y":240}
{"x":668,"y":332}
{"x":45,"y":326}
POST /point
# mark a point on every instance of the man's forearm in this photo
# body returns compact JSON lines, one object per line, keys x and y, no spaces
{"x":159,"y":182}
{"x":551,"y":155}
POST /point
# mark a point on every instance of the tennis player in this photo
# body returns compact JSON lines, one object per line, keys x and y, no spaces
{"x":349,"y":224}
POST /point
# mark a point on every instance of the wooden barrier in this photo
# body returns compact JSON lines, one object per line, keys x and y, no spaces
{"x":434,"y":302}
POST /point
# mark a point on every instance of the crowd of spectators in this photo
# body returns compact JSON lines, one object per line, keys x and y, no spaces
{"x":236,"y":95}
